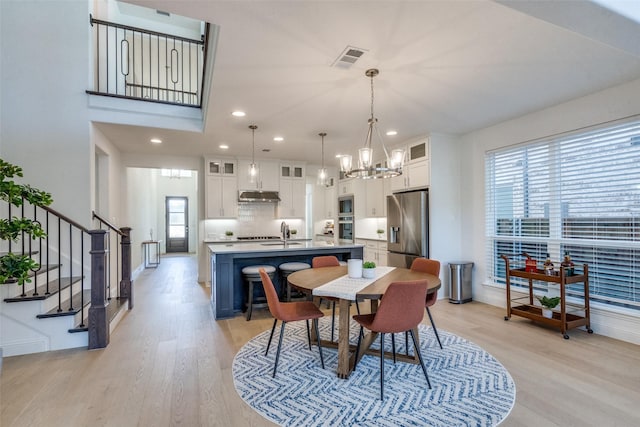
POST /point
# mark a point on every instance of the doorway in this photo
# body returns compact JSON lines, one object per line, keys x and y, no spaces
{"x":177,"y":224}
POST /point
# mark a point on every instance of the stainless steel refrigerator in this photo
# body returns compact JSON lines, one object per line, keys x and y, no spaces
{"x":408,"y":225}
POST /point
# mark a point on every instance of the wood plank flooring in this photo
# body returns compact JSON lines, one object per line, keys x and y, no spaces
{"x":169,"y":364}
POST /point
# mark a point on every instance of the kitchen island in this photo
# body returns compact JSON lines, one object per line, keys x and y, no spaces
{"x":228,"y":292}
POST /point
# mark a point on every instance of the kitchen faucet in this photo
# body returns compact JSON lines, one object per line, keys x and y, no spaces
{"x":284,"y":229}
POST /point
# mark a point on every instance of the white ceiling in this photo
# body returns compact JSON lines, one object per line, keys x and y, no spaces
{"x":445,"y":66}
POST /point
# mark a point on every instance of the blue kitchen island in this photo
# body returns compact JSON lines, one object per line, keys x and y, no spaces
{"x":228,"y":291}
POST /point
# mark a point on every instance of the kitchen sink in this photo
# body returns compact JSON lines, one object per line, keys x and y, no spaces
{"x":280,"y":243}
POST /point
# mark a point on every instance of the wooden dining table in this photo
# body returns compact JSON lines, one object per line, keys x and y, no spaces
{"x":310,"y":279}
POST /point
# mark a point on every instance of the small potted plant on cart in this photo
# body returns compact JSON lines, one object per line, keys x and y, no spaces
{"x":548,"y":304}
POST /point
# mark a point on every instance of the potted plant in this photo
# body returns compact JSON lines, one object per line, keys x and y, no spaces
{"x":548,"y":304}
{"x":369,"y":269}
{"x":380,"y":232}
{"x":228,"y":233}
{"x":294,"y":232}
{"x":16,"y":267}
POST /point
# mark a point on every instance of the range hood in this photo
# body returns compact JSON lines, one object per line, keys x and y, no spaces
{"x":258,"y":196}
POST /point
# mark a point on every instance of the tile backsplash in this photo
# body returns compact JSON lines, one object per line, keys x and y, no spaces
{"x":254,"y":219}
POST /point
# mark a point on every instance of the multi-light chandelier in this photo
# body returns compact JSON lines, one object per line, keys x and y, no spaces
{"x":366,"y":169}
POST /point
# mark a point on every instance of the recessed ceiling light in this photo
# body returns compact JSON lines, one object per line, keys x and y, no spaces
{"x":238,"y":114}
{"x":392,"y":132}
{"x":278,"y":138}
{"x":156,"y":140}
{"x":223,"y":146}
{"x":339,"y":155}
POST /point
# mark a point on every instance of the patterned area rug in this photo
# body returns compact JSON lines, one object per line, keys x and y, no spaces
{"x":470,"y":387}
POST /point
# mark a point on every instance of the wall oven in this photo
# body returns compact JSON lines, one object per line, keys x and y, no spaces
{"x":345,"y":219}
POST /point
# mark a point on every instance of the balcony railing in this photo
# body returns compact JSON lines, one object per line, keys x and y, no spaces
{"x":148,"y":65}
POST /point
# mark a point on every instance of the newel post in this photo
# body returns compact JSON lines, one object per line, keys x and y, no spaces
{"x":98,"y":320}
{"x":126,"y":285}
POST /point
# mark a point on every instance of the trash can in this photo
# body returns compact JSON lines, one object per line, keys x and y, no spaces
{"x":460,"y":282}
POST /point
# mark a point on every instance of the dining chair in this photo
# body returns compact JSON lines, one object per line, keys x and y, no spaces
{"x":289,"y":312}
{"x":429,"y":266}
{"x":329,"y":261}
{"x":401,"y":310}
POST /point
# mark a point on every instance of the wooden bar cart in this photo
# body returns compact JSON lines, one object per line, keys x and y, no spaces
{"x":569,"y":315}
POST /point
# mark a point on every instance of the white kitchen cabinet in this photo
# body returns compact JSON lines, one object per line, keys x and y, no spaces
{"x":292,"y":198}
{"x":376,"y":197}
{"x":267,"y":179}
{"x":414,"y":175}
{"x":330,"y":202}
{"x":222,"y":196}
{"x":226,"y":167}
{"x":293,"y":171}
{"x":374,"y":250}
{"x":345,"y":187}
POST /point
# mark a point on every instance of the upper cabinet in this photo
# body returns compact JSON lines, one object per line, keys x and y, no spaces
{"x":220,"y":167}
{"x":376,"y":197}
{"x":416,"y":170}
{"x":266,"y":180}
{"x":221,"y":196}
{"x":294,"y":171}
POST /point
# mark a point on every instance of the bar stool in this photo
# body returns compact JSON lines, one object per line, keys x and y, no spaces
{"x":285,"y":270}
{"x":251,"y":274}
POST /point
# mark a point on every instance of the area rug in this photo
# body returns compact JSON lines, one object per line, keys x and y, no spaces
{"x":470,"y":387}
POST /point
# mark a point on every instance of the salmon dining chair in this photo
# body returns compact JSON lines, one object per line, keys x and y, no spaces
{"x":329,"y":261}
{"x":429,"y":266}
{"x":401,"y":310}
{"x":289,"y":312}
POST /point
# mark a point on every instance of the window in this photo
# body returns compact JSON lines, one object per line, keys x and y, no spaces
{"x":577,"y":193}
{"x":176,"y":173}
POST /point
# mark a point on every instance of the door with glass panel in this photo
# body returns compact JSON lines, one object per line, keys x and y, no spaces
{"x":177,"y":220}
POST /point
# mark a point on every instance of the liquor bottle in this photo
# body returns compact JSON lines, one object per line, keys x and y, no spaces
{"x":548,"y":266}
{"x":567,"y":264}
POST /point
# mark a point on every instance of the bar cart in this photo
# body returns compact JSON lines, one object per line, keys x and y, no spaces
{"x":570,"y":315}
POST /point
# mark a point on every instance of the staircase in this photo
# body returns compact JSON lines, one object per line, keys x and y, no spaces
{"x":75,"y":297}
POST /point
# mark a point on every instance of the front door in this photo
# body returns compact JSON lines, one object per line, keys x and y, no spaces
{"x":177,"y":220}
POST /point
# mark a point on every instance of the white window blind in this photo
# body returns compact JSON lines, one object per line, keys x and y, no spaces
{"x":578,"y":193}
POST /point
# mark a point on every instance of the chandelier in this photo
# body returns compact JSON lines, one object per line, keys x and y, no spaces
{"x":322,"y":172}
{"x":253,"y":168}
{"x":366,"y":169}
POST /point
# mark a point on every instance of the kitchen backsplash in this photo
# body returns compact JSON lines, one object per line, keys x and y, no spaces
{"x":254,"y":219}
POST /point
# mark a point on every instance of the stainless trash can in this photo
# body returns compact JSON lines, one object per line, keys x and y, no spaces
{"x":460,"y":282}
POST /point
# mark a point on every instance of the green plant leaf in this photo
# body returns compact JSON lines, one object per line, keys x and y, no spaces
{"x":368,"y":264}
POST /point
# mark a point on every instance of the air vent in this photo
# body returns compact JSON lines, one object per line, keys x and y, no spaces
{"x":162,"y":12}
{"x":348,"y":57}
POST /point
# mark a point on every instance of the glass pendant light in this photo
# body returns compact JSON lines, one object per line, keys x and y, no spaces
{"x":366,"y":169}
{"x":253,"y":168}
{"x":322,"y":172}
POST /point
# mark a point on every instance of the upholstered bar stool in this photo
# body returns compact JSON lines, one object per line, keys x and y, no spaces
{"x":285,"y":270}
{"x":251,"y":274}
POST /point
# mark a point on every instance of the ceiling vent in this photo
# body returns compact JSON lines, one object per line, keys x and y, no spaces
{"x":162,"y":12}
{"x":348,"y":57}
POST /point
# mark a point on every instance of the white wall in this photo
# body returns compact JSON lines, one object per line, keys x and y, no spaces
{"x":611,"y":104}
{"x":44,"y":126}
{"x":141,"y":210}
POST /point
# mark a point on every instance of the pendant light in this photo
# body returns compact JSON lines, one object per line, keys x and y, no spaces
{"x":253,"y":168}
{"x":366,"y":170}
{"x":322,"y":172}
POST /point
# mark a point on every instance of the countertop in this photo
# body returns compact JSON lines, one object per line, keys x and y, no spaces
{"x":277,"y":246}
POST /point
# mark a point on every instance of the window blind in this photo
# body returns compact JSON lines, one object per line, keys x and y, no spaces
{"x":577,"y":193}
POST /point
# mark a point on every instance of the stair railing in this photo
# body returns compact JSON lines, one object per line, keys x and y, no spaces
{"x":64,"y":267}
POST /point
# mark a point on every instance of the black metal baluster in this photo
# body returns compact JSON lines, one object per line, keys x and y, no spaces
{"x":59,"y":266}
{"x":81,"y":279}
{"x":70,"y":267}
{"x":31,"y":254}
{"x":47,"y":292}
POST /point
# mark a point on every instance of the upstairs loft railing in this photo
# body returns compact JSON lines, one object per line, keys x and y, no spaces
{"x":77,"y":267}
{"x":135,"y":63}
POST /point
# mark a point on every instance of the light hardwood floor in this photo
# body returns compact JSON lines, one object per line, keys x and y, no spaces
{"x":169,"y":364}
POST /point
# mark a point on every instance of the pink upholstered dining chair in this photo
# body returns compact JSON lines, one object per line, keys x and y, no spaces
{"x":329,"y":261}
{"x":401,"y":310}
{"x":289,"y":312}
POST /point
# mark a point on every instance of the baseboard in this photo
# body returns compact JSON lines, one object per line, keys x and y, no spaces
{"x":620,"y":324}
{"x":20,"y":347}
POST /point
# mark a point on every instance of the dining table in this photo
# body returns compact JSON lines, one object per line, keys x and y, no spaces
{"x":330,"y":282}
